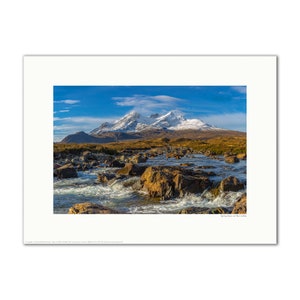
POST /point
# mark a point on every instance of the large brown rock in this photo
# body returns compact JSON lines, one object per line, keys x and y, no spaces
{"x":132,"y":170}
{"x":116,"y":164}
{"x":139,"y":158}
{"x":55,"y":167}
{"x":155,"y":152}
{"x":242,"y":156}
{"x":168,"y":182}
{"x":177,"y":153}
{"x":231,"y":159}
{"x":105,"y":177}
{"x":240,"y":206}
{"x":231,"y":183}
{"x":90,"y":208}
{"x":185,"y":184}
{"x":210,"y":153}
{"x":158,"y":182}
{"x":87,"y":156}
{"x":66,"y":171}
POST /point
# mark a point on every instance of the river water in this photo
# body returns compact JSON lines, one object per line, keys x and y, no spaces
{"x":68,"y":192}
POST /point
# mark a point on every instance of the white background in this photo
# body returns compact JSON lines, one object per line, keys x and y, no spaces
{"x":156,"y":27}
{"x":258,"y":73}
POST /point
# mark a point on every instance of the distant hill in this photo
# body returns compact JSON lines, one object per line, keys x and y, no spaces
{"x":108,"y":137}
{"x":82,"y":137}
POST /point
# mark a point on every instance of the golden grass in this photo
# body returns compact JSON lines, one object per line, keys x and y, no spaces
{"x":77,"y":149}
{"x":217,"y":144}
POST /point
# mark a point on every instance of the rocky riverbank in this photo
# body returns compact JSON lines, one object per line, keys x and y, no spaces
{"x":158,"y":183}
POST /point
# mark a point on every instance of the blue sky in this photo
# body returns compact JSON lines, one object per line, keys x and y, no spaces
{"x":83,"y":108}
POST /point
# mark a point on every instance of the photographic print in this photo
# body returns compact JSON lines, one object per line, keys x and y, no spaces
{"x":150,"y":150}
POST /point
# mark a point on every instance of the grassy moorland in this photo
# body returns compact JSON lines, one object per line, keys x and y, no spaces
{"x":214,"y":142}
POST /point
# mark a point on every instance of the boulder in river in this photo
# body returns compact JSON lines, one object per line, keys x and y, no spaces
{"x":87,"y":156}
{"x":139,"y":158}
{"x":55,"y":167}
{"x":168,"y":182}
{"x":232,"y":184}
{"x":116,"y":164}
{"x":90,"y":208}
{"x":158,"y":182}
{"x":242,"y":156}
{"x":132,"y":170}
{"x":240,"y":206}
{"x":186,"y":184}
{"x":210,"y":154}
{"x":105,"y":177}
{"x":231,"y":159}
{"x":66,"y":171}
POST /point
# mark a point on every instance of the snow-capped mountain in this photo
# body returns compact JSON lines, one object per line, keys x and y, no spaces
{"x":135,"y":122}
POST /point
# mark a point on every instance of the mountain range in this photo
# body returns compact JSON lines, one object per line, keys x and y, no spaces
{"x":135,"y":122}
{"x":135,"y":126}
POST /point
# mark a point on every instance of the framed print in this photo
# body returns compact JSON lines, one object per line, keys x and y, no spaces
{"x":150,"y":149}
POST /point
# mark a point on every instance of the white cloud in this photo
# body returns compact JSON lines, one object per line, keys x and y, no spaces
{"x":165,"y":98}
{"x":91,"y":120}
{"x":64,"y":110}
{"x":87,"y":121}
{"x":67,"y":101}
{"x":147,"y":104}
{"x":233,"y":121}
{"x":58,"y":138}
{"x":61,"y":131}
{"x":67,"y":126}
{"x":60,"y":119}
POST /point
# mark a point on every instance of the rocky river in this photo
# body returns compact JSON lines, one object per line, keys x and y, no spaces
{"x":156,"y":181}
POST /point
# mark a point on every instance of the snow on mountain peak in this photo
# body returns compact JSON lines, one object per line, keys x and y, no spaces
{"x":176,"y":114}
{"x":134,"y":122}
{"x":172,"y":118}
{"x":132,"y":114}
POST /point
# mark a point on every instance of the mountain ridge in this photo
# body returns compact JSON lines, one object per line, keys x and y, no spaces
{"x":133,"y":126}
{"x":135,"y":122}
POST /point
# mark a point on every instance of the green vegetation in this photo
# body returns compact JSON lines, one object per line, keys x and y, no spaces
{"x":215,"y":144}
{"x":218,"y":146}
{"x":77,"y":149}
